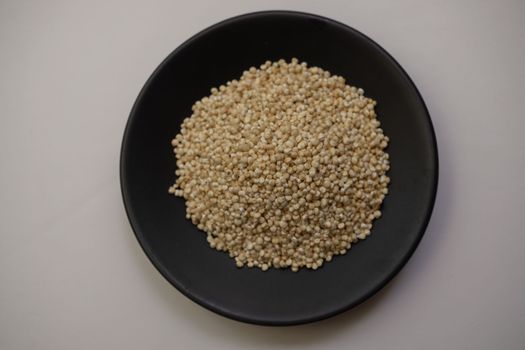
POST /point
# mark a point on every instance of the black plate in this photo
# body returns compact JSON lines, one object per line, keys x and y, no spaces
{"x":180,"y":251}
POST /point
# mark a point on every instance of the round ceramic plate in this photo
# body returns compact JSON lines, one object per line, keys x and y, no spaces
{"x":180,"y":251}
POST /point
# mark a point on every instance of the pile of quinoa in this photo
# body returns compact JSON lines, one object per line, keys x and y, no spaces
{"x":285,"y":167}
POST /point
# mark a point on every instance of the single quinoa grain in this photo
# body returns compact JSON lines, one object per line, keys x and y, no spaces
{"x":284,"y":167}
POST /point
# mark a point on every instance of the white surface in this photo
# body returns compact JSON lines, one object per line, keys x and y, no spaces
{"x":72,"y":275}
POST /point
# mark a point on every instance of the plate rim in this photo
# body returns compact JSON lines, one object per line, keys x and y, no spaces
{"x":215,"y":308}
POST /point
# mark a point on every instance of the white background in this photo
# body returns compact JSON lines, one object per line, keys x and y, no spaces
{"x":72,"y":275}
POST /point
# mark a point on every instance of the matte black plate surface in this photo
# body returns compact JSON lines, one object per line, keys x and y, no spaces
{"x":180,"y":251}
